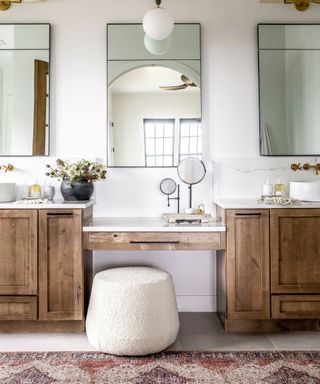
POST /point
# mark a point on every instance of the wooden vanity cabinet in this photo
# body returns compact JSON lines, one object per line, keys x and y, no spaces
{"x":295,"y":263}
{"x":269,"y":275}
{"x":18,"y":252}
{"x":248,"y":293}
{"x":18,"y":264}
{"x":42,"y":269}
{"x":60,"y":265}
{"x":295,"y":251}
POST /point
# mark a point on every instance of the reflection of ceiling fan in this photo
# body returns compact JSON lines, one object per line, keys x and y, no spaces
{"x":186,"y":83}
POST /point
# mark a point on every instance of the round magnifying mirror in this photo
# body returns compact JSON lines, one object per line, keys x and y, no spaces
{"x":191,"y":170}
{"x":168,"y":186}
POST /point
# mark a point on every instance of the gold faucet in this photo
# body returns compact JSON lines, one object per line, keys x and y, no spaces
{"x":306,"y":167}
{"x":295,"y":167}
{"x":7,"y":168}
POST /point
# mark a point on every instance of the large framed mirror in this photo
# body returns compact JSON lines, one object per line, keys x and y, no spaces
{"x":24,"y":89}
{"x":289,"y":88}
{"x":154,"y":97}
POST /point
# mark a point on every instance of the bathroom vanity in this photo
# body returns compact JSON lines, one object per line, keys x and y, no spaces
{"x":152,"y":234}
{"x":46,"y":259}
{"x":269,"y":274}
{"x":42,"y":267}
{"x":268,"y":262}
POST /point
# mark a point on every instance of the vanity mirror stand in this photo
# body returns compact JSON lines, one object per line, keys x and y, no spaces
{"x":169,"y":187}
{"x":191,"y":171}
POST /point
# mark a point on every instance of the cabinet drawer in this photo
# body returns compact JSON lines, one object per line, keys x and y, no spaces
{"x":18,"y":308}
{"x":296,"y":307}
{"x":154,"y":240}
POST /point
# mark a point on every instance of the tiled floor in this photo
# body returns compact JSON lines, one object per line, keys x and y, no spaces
{"x":198,"y":332}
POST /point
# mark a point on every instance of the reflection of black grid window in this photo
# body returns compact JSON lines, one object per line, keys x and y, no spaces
{"x":159,"y":140}
{"x":190,"y":138}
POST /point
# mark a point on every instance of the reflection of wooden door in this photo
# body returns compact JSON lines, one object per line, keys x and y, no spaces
{"x":40,"y":107}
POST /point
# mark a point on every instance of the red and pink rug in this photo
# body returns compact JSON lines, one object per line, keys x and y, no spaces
{"x":164,"y":368}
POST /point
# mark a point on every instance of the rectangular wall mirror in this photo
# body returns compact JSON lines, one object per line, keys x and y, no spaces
{"x":24,"y":89}
{"x":154,"y":96}
{"x":289,"y":77}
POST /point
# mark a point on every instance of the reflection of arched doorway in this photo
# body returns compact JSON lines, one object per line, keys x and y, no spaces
{"x":135,"y":96}
{"x":118,"y":69}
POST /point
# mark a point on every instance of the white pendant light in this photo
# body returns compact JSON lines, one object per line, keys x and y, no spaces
{"x":158,"y":24}
{"x":157,"y":47}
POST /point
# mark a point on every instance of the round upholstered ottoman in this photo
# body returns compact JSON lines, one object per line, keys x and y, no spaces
{"x":132,"y":311}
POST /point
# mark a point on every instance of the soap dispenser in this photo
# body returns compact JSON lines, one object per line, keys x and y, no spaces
{"x":35,"y":190}
{"x":280,"y":189}
{"x":267,"y":188}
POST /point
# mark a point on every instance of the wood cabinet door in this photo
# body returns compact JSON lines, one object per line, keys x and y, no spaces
{"x":60,"y":265}
{"x":295,"y":250}
{"x":18,"y":252}
{"x":248,"y":271}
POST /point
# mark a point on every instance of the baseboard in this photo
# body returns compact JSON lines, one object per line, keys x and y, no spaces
{"x":13,"y":326}
{"x":197,"y":303}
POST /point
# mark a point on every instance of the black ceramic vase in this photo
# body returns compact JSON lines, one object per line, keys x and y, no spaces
{"x":76,"y":190}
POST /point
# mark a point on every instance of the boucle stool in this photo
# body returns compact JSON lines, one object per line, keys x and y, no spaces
{"x":132,"y":311}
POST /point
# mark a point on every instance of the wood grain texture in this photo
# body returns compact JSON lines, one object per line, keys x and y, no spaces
{"x":18,"y":252}
{"x":248,"y":291}
{"x":272,"y":325}
{"x":88,"y":277}
{"x":41,"y":70}
{"x":153,"y":241}
{"x":42,"y":326}
{"x":61,"y":283}
{"x":295,"y":307}
{"x":221,"y":284}
{"x":18,"y":307}
{"x":295,"y":251}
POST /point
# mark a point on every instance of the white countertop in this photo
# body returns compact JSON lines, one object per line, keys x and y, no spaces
{"x":146,"y":224}
{"x":58,"y":204}
{"x":253,"y":204}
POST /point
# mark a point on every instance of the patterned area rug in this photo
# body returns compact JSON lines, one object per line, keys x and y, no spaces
{"x":166,"y":368}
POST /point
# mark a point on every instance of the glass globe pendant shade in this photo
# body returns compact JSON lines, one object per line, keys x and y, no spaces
{"x":158,"y":24}
{"x":157,"y":47}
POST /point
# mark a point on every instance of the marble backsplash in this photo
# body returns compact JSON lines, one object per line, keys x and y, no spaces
{"x":244,"y":177}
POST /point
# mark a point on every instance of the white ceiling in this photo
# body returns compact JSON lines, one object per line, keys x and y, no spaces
{"x":148,"y":80}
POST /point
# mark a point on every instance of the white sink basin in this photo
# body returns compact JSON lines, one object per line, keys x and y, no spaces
{"x":7,"y":192}
{"x":305,"y":190}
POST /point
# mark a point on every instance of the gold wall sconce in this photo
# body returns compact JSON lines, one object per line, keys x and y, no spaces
{"x":301,"y":5}
{"x":4,"y":5}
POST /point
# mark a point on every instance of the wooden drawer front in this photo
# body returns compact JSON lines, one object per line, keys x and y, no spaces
{"x":296,"y":307}
{"x":248,"y":292}
{"x":295,"y":251}
{"x":154,"y":240}
{"x":60,"y":265}
{"x":18,"y":308}
{"x":18,"y":252}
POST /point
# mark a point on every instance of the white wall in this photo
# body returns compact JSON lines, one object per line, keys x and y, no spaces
{"x":230,"y":106}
